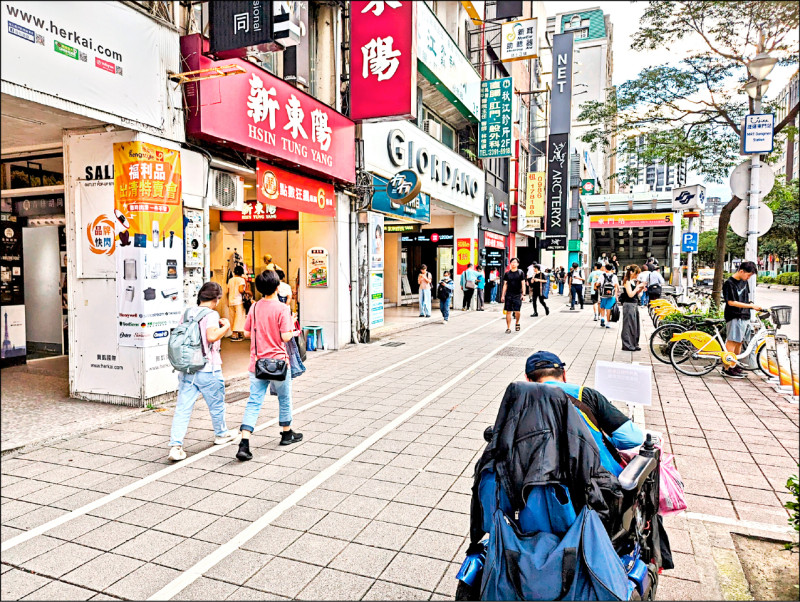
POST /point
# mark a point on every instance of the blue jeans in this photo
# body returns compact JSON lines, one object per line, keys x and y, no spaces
{"x":561,"y":287}
{"x":645,"y":300}
{"x":425,"y":302}
{"x":444,"y":306}
{"x":258,"y":390}
{"x":212,"y":386}
{"x":494,"y":293}
{"x":576,"y":295}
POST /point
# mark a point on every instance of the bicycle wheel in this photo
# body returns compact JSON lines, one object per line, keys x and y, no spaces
{"x":659,"y":340}
{"x":761,"y":360}
{"x":683,"y":356}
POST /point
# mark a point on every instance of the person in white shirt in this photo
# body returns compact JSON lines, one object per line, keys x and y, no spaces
{"x":594,"y":285}
{"x":576,"y":279}
{"x":609,"y":288}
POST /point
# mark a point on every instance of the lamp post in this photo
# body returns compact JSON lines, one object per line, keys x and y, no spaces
{"x":759,"y":68}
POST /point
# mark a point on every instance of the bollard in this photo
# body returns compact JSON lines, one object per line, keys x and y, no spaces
{"x":784,"y":369}
{"x":794,"y":364}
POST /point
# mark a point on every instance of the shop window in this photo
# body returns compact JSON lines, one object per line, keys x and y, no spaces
{"x":448,"y":133}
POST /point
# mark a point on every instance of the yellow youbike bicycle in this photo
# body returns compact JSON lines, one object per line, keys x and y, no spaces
{"x":696,"y":353}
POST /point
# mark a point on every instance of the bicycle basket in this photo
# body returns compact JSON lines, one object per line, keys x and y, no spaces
{"x":782,"y":314}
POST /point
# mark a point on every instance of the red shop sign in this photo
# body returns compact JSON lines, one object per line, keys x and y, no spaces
{"x":262,"y":114}
{"x":296,"y":193}
{"x":383,"y":59}
{"x":493,"y":240}
{"x":256,"y":211}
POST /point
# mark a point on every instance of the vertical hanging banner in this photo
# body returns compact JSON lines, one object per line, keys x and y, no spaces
{"x":497,"y":110}
{"x":534,"y":204}
{"x":383,"y":59}
{"x":149,"y":255}
{"x":462,"y":255}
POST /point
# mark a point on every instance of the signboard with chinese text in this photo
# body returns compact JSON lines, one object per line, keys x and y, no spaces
{"x":375,"y":299}
{"x":493,"y":240}
{"x":443,"y":64}
{"x":236,"y":25}
{"x":557,"y":188}
{"x":632,"y":220}
{"x":297,"y":193}
{"x":535,"y":194}
{"x":518,"y":40}
{"x":256,"y":211}
{"x":383,"y":59}
{"x":47,"y":205}
{"x":418,"y":210}
{"x":263,"y":115}
{"x":149,"y":252}
{"x":463,"y":255}
{"x":317,"y":267}
{"x":497,"y":111}
{"x":758,"y":134}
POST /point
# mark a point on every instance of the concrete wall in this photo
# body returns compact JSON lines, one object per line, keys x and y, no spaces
{"x":42,"y":285}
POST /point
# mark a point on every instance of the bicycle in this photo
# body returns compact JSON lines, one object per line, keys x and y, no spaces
{"x":661,"y":339}
{"x":696,"y":353}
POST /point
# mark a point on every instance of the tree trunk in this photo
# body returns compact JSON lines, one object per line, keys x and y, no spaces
{"x":719,"y":264}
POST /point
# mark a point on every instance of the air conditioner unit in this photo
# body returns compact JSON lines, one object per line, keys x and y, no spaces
{"x":433,"y":129}
{"x":225,"y":190}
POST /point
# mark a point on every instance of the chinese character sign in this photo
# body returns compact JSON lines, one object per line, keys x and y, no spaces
{"x":557,"y":190}
{"x":497,"y":109}
{"x":383,"y":80}
{"x":148,"y":214}
{"x":534,"y":202}
{"x":290,"y":191}
{"x":518,"y":40}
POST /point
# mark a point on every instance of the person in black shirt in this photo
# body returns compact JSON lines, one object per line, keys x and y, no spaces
{"x":512,"y":296}
{"x":736,"y":294}
{"x":537,"y":282}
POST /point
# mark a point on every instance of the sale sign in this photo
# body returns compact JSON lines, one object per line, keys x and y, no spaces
{"x":383,"y":60}
{"x":294,"y":192}
{"x":149,"y":218}
{"x":462,"y":255}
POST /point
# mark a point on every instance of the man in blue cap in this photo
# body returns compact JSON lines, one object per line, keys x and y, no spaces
{"x":547,"y":368}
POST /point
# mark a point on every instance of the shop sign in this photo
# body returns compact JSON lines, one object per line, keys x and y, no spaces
{"x":14,"y":337}
{"x":557,"y":187}
{"x":535,"y":194}
{"x":375,"y":299}
{"x":237,"y":26}
{"x":497,"y":109}
{"x":561,"y":94}
{"x":758,"y":134}
{"x":262,"y":114}
{"x":48,"y":205}
{"x":400,"y":228}
{"x":445,"y":175}
{"x":317,"y":267}
{"x":383,"y":59}
{"x":519,"y":40}
{"x":256,"y":211}
{"x":419,"y":209}
{"x":493,"y":240}
{"x":294,"y":192}
{"x":429,"y":236}
{"x":463,"y":255}
{"x":149,"y":257}
{"x":444,"y":65}
{"x":63,"y":49}
{"x":588,"y":186}
{"x":631,"y":220}
{"x":375,"y":234}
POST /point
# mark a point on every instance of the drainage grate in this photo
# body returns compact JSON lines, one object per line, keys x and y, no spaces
{"x":515,"y":352}
{"x":393,"y":344}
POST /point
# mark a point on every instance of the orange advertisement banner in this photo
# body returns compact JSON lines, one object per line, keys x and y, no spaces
{"x":462,"y":255}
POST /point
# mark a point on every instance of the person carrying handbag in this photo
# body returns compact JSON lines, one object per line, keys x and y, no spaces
{"x":269,"y":326}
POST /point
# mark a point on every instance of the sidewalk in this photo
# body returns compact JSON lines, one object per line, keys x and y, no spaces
{"x":396,"y":431}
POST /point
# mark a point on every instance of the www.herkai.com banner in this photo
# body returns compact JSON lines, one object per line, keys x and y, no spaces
{"x":148,"y":207}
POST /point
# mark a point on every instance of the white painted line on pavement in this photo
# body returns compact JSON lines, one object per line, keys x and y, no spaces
{"x":743,"y":524}
{"x":30,"y":534}
{"x":189,"y":576}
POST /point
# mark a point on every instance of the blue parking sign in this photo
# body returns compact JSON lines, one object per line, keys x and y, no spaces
{"x":689,"y":242}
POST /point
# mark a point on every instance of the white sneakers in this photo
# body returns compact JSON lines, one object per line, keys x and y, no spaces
{"x":229,"y":436}
{"x":176,"y":454}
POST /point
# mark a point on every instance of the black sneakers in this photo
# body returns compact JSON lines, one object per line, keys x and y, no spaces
{"x":244,"y":451}
{"x":732,"y":373}
{"x":289,"y":437}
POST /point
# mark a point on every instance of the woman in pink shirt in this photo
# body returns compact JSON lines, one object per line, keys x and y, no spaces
{"x":269,"y":325}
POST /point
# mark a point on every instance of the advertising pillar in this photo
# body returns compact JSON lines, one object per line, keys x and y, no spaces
{"x":376,"y":270}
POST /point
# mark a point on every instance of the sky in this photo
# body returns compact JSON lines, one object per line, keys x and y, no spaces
{"x":628,"y":63}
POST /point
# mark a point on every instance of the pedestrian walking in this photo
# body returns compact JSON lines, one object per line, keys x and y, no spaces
{"x":480,"y":286}
{"x":269,"y":325}
{"x":424,"y":280}
{"x":654,"y":282}
{"x":208,"y":381}
{"x":494,"y":282}
{"x":614,"y":264}
{"x":537,"y":282}
{"x":736,"y":295}
{"x":595,"y":276}
{"x":468,"y":286}
{"x":576,"y":278}
{"x":609,"y":288}
{"x":644,"y":272}
{"x":284,"y":290}
{"x":236,"y":290}
{"x":443,"y":292}
{"x":512,"y":295}
{"x":548,"y":283}
{"x":562,"y":278}
{"x":632,"y":287}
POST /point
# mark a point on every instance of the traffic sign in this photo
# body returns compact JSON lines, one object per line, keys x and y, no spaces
{"x":740,"y":180}
{"x":689,"y":242}
{"x":739,"y":219}
{"x":758,"y":134}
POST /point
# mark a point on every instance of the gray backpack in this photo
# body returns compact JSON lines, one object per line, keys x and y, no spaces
{"x":185,"y":348}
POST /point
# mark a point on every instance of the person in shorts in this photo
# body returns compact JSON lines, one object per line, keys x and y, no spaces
{"x":609,"y":289}
{"x":512,"y":295}
{"x":736,"y":295}
{"x":594,"y":285}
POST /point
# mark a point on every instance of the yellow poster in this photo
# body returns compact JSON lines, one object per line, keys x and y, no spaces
{"x":534,"y":201}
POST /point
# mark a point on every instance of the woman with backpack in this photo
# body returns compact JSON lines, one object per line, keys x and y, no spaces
{"x":269,"y":326}
{"x":629,"y":298}
{"x":609,"y":287}
{"x":208,"y":380}
{"x":443,"y":292}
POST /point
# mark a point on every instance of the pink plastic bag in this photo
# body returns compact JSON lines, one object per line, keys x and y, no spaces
{"x":672,"y":499}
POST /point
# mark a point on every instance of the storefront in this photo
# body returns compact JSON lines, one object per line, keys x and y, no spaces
{"x":304,"y":148}
{"x":494,"y":233}
{"x":399,"y":152}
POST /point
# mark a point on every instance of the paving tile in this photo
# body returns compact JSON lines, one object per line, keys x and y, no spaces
{"x":117,"y":508}
{"x":109,"y":536}
{"x":335,"y":585}
{"x":101,"y":572}
{"x":420,"y":496}
{"x":148,"y":545}
{"x":186,"y":523}
{"x":149,"y":514}
{"x":314,"y":549}
{"x":143,"y":582}
{"x":283,"y":577}
{"x":362,"y":560}
{"x":214,"y":481}
{"x":35,"y":518}
{"x":383,"y":590}
{"x":403,"y":514}
{"x":61,"y":560}
{"x":322,"y":499}
{"x":446,"y":522}
{"x":753,"y":496}
{"x":186,"y":554}
{"x":385,"y":535}
{"x":433,"y":544}
{"x":219,"y":503}
{"x":340,"y":526}
{"x":239,"y":566}
{"x":300,"y":518}
{"x":17,"y":584}
{"x":183,"y":497}
{"x":222,"y":530}
{"x":77,"y":500}
{"x":359,"y":505}
{"x":31,"y":548}
{"x":252,"y":509}
{"x":245,"y":486}
{"x":58,"y":590}
{"x":379,"y":489}
{"x":434,"y":480}
{"x":271,"y":540}
{"x":209,"y":589}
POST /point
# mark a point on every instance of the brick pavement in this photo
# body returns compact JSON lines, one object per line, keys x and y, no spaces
{"x":392,"y":523}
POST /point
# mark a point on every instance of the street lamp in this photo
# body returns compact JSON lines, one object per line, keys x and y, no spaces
{"x":761,"y":66}
{"x":756,"y":88}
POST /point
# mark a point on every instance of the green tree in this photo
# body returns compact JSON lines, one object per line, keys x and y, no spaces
{"x":693,"y":111}
{"x":783,"y":238}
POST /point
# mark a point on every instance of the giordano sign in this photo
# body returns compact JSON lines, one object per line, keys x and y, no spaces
{"x":400,"y":147}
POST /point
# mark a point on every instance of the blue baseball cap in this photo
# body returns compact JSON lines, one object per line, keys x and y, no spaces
{"x":542,"y":360}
